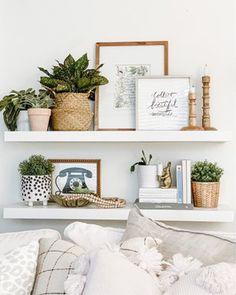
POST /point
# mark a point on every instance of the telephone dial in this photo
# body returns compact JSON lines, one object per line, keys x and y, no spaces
{"x":75,"y":179}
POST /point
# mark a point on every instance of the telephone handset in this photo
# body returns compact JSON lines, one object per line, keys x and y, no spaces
{"x":75,"y":179}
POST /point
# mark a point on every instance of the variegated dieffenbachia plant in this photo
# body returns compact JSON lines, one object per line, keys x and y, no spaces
{"x":72,"y":76}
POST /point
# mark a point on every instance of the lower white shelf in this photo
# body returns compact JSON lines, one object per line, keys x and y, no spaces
{"x":53,"y":211}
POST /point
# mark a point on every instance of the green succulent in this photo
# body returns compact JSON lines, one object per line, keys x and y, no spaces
{"x":72,"y":76}
{"x":144,"y":161}
{"x":204,"y":171}
{"x":36,"y":165}
{"x":13,"y":103}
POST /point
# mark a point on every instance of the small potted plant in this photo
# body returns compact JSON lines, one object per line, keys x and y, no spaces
{"x":72,"y":84}
{"x":147,"y":173}
{"x":206,"y":184}
{"x":36,"y":179}
{"x":15,"y":107}
{"x":39,"y":111}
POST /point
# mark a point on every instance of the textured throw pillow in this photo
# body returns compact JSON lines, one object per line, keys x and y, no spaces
{"x":54,"y":265}
{"x":91,"y":236}
{"x":186,"y":286}
{"x":206,"y":247}
{"x":107,"y":273}
{"x":17,"y":270}
{"x":218,"y":279}
{"x":12,"y":240}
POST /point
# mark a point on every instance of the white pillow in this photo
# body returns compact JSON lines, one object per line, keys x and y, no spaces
{"x":218,"y":279}
{"x":17,"y":270}
{"x":110,"y":273}
{"x":186,"y":286}
{"x":12,"y":240}
{"x":92,"y":236}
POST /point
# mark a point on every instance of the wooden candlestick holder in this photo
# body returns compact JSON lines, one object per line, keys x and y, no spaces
{"x":192,"y":120}
{"x":206,"y":120}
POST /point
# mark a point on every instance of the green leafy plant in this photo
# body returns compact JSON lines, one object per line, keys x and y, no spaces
{"x":204,"y":171}
{"x":80,"y":190}
{"x":144,"y":161}
{"x":43,"y":100}
{"x":13,"y":103}
{"x":72,"y":76}
{"x":36,"y":165}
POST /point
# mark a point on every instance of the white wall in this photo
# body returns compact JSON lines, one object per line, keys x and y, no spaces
{"x":36,"y":32}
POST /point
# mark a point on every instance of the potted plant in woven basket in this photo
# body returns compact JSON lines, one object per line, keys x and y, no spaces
{"x":72,"y":84}
{"x":36,"y":179}
{"x":206,"y":184}
{"x":39,"y":111}
{"x":14,"y":107}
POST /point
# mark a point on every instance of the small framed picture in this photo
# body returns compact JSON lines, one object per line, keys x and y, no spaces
{"x":162,"y":102}
{"x":76,"y":176}
{"x":123,"y":62}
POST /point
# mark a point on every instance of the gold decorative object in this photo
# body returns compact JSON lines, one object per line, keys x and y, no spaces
{"x":166,"y":179}
{"x":192,"y":121}
{"x":81,"y":200}
{"x":206,"y":120}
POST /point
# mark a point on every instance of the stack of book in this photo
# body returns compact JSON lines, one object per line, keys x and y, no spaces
{"x":172,"y":198}
{"x":183,"y":181}
{"x":157,"y":195}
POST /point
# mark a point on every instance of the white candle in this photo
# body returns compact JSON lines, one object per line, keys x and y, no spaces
{"x":206,"y":73}
{"x":159,"y":169}
{"x":192,"y":90}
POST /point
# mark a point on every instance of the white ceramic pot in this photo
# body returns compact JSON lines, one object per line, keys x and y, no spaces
{"x":147,"y":176}
{"x":23,"y":121}
{"x":36,"y":188}
{"x":39,"y":119}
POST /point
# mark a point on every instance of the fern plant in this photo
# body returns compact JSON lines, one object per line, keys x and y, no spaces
{"x":144,"y":161}
{"x":204,"y":171}
{"x":36,"y":165}
{"x":72,"y":76}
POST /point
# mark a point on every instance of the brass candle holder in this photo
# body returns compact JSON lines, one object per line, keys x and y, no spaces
{"x":206,"y":119}
{"x":192,"y":121}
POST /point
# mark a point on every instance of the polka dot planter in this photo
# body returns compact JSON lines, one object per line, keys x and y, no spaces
{"x":36,"y":189}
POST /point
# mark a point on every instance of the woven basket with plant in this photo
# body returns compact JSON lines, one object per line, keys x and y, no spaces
{"x":206,"y":184}
{"x":72,"y":84}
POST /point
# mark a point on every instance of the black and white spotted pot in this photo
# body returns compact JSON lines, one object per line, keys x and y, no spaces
{"x":36,"y":189}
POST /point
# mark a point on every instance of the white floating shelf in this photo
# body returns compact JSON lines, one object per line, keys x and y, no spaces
{"x":118,"y":136}
{"x":53,"y":211}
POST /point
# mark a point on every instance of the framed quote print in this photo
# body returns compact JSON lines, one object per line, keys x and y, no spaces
{"x":122,"y":63}
{"x":76,"y":177}
{"x":162,"y":102}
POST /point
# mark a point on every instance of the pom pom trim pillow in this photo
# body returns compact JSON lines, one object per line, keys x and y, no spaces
{"x":207,"y":247}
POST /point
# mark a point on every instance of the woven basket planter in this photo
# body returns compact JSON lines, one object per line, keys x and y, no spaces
{"x":205,"y":194}
{"x":72,"y":112}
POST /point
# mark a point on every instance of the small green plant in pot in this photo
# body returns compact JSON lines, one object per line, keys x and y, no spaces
{"x":147,"y":173}
{"x":36,"y":179}
{"x":206,"y":184}
{"x":39,"y":111}
{"x":14,"y":107}
{"x":72,"y":84}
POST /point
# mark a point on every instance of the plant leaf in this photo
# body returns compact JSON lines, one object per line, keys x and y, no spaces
{"x":69,"y":61}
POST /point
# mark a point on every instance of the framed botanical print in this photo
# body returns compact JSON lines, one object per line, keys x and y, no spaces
{"x":76,"y":176}
{"x":162,"y":102}
{"x":123,"y":63}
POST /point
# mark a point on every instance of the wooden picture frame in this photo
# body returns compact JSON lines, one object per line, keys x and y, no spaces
{"x":137,"y":52}
{"x":162,"y":102}
{"x":76,"y":174}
